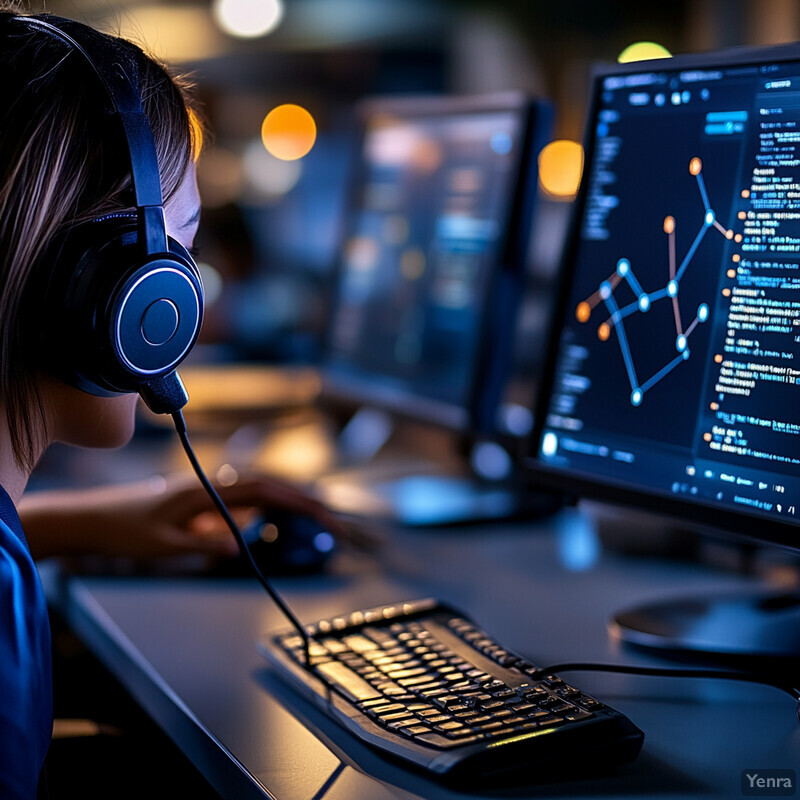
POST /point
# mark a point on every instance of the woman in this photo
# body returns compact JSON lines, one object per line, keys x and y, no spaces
{"x":64,"y":163}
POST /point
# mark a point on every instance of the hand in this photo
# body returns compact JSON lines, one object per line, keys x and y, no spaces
{"x":153,"y":518}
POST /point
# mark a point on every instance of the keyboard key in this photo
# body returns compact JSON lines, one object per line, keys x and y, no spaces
{"x":398,"y":725}
{"x":406,"y":673}
{"x":389,"y":708}
{"x":397,"y":715}
{"x":420,"y":680}
{"x":370,"y":704}
{"x":448,"y":726}
{"x":445,"y":700}
{"x":487,"y":726}
{"x":359,"y":644}
{"x":348,"y":682}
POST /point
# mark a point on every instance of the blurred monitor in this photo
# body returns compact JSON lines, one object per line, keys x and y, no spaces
{"x":673,"y":383}
{"x":425,"y":300}
{"x":433,"y":259}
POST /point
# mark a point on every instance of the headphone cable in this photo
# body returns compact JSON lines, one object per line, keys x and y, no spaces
{"x":180,"y":427}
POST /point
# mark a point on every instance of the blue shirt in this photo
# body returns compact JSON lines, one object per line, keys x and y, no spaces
{"x":26,"y":686}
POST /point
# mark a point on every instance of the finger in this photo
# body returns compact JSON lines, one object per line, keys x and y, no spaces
{"x":266,"y":495}
{"x":219,"y":543}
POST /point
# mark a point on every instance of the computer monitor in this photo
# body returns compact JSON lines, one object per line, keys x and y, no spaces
{"x":673,"y":381}
{"x":434,"y":254}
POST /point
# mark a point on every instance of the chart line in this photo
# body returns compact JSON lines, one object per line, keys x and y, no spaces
{"x":643,"y":300}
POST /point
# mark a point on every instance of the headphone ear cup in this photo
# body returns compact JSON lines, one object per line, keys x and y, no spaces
{"x":112,"y":318}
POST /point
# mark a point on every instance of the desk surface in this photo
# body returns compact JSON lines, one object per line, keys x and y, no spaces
{"x":185,"y":649}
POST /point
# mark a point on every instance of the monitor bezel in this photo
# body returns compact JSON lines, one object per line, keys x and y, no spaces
{"x":478,"y":414}
{"x":576,"y":484}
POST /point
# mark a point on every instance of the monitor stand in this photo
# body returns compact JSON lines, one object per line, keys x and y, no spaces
{"x":415,"y":488}
{"x":757,"y":631}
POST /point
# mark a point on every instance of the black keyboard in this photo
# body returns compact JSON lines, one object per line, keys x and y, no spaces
{"x":421,"y":682}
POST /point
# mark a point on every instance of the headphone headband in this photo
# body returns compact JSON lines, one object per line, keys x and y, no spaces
{"x":121,"y":84}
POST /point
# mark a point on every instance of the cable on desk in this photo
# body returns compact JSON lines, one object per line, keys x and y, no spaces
{"x":670,"y":672}
{"x":180,"y":427}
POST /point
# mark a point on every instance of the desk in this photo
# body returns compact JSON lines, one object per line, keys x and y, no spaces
{"x":184,"y":647}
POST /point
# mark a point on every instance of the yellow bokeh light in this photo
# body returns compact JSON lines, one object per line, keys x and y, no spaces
{"x":288,"y":132}
{"x":643,"y":51}
{"x":560,"y":168}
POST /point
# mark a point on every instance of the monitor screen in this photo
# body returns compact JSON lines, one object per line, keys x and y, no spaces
{"x":673,"y":381}
{"x":433,"y":256}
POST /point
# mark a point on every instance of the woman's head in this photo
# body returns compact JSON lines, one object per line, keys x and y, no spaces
{"x":63,"y":162}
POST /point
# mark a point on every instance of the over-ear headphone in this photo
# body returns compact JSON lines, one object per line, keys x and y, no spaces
{"x":122,"y":302}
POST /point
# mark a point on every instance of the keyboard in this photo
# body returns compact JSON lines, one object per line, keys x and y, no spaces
{"x":420,"y":682}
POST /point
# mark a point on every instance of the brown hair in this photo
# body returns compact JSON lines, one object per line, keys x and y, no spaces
{"x":64,"y":161}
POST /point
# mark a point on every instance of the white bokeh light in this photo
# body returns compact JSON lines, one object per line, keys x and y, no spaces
{"x":248,"y":18}
{"x":269,"y":177}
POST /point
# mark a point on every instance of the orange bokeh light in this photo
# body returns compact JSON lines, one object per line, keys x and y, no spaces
{"x":288,"y":132}
{"x":560,"y":168}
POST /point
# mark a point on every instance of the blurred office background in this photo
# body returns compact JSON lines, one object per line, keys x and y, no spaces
{"x":271,"y":220}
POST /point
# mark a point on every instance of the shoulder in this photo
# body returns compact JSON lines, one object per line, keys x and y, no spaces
{"x":25,"y":668}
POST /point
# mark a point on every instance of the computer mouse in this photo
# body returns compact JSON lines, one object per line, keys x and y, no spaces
{"x":284,"y":543}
